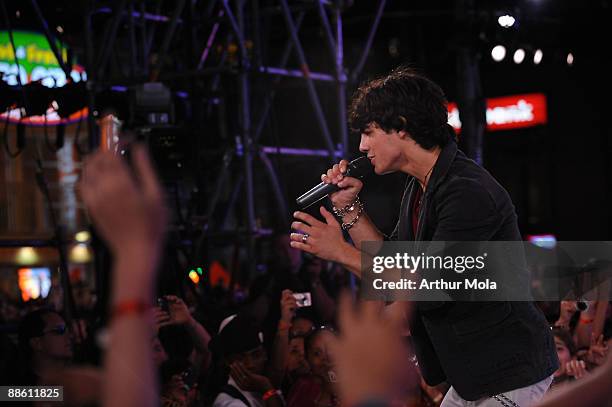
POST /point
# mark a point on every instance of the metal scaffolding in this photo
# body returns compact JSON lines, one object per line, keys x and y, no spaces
{"x":239,"y":20}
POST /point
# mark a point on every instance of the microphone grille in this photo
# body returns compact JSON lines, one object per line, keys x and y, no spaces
{"x":359,"y":167}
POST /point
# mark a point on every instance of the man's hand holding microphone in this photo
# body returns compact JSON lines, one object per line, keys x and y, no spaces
{"x":325,"y":239}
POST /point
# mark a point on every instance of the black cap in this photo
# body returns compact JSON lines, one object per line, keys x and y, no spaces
{"x":238,"y":336}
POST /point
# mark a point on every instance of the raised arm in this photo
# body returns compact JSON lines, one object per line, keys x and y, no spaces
{"x":179,"y":315}
{"x":128,"y":211}
{"x":280,"y":351}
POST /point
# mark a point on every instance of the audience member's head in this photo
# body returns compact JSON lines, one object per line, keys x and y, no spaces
{"x":566,"y":349}
{"x":159,"y":353}
{"x":301,"y":326}
{"x":176,"y":341}
{"x":318,"y":354}
{"x":178,"y":382}
{"x":239,"y":340}
{"x":296,"y":361}
{"x":44,"y":340}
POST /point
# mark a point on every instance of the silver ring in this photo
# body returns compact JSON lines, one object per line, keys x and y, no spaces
{"x":305,"y":238}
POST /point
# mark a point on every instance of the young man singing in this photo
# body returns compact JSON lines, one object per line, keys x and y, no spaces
{"x":491,"y":353}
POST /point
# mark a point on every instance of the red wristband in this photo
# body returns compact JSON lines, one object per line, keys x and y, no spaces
{"x":129,"y":307}
{"x":271,"y":393}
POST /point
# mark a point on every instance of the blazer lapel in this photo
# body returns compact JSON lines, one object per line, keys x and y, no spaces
{"x":405,"y":222}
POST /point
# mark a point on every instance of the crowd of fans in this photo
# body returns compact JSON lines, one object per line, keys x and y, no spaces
{"x":210,"y":347}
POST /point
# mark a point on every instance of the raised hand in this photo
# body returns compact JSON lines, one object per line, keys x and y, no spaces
{"x":161,"y":318}
{"x":597,"y":351}
{"x":179,"y":313}
{"x":576,"y":368}
{"x":127,"y":208}
{"x":371,"y":358}
{"x":248,"y":380}
{"x":288,"y":306}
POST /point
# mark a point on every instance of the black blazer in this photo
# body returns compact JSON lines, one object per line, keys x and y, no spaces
{"x":480,"y":348}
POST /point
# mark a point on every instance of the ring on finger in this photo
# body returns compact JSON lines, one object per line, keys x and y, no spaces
{"x":305,"y":238}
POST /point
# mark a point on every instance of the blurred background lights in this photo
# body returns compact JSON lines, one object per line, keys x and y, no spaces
{"x":194,"y":277}
{"x":80,"y":253}
{"x":83,"y":236}
{"x":519,"y":56}
{"x":26,"y":256}
{"x":498,"y":53}
{"x":537,"y":56}
{"x":506,"y":21}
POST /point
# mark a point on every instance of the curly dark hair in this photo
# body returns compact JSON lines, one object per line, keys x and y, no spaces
{"x":566,"y":337}
{"x":403,"y":100}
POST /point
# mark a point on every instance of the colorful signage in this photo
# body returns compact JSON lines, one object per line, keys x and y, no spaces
{"x":509,"y":112}
{"x":33,"y":60}
{"x":34,"y":282}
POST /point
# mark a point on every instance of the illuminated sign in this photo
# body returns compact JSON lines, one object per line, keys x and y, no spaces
{"x":34,"y":282}
{"x":548,"y":241}
{"x":509,"y":112}
{"x":36,"y":62}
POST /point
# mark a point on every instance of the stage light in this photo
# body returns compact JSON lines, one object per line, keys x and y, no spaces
{"x":194,"y":277}
{"x":26,"y":256}
{"x":498,"y":53}
{"x":519,"y":56}
{"x":506,"y":21}
{"x":537,"y":56}
{"x":80,"y":253}
{"x":570,"y":59}
{"x":83,"y":236}
{"x":59,"y":29}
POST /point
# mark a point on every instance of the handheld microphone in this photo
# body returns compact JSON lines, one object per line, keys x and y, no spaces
{"x":358,"y":168}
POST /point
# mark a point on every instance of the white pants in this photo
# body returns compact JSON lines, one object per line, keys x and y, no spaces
{"x":523,"y":397}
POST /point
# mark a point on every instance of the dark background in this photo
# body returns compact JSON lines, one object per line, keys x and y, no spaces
{"x":558,"y":175}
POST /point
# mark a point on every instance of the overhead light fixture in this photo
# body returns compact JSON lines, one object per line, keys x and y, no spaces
{"x":26,"y":256}
{"x":83,"y":236}
{"x":80,"y":253}
{"x":519,"y":56}
{"x":498,"y":53}
{"x":506,"y":21}
{"x":537,"y":56}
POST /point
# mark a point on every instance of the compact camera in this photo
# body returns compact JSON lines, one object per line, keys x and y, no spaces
{"x":302,"y":299}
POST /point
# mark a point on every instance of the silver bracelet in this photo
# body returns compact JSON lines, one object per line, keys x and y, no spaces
{"x":347,"y":209}
{"x":347,"y":226}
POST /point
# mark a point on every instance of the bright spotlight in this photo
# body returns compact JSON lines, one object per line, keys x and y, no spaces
{"x":537,"y":56}
{"x":498,"y":53}
{"x":570,"y":59}
{"x":83,"y":236}
{"x":506,"y":21}
{"x":27,"y":256}
{"x":519,"y":56}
